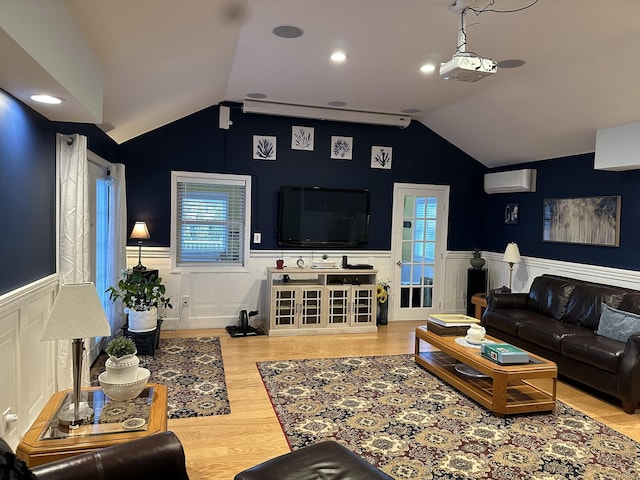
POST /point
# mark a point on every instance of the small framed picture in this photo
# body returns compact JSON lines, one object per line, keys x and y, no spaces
{"x":302,"y":138}
{"x":341,"y":148}
{"x":264,"y":147}
{"x":511,"y":213}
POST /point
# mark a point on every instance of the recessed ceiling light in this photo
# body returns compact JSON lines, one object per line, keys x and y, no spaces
{"x":511,"y":63}
{"x":428,"y":68}
{"x":46,"y":99}
{"x":337,"y":103}
{"x":288,"y":31}
{"x":256,"y":95}
{"x":410,"y":111}
{"x":338,"y":56}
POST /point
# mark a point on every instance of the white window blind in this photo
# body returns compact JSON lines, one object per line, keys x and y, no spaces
{"x":211,"y":212}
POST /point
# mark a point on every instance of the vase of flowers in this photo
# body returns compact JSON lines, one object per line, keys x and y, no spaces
{"x":141,"y":295}
{"x":382,"y":299}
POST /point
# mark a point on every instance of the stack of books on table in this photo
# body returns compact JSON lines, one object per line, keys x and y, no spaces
{"x":447,"y":324}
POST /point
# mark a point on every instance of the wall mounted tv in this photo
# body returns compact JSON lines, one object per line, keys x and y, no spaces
{"x":323,"y":217}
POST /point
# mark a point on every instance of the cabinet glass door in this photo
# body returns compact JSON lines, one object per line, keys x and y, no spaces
{"x":363,"y":306}
{"x":310,"y":307}
{"x":338,"y":306}
{"x":284,"y":308}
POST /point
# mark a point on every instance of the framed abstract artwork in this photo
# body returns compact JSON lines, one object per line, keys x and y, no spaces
{"x":588,"y":220}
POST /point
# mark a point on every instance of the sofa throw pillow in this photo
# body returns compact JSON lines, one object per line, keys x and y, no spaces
{"x":616,"y":324}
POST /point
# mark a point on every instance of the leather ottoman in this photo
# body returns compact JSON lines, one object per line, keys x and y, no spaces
{"x":327,"y":460}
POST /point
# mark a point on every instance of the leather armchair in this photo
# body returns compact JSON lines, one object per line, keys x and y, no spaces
{"x":149,"y":458}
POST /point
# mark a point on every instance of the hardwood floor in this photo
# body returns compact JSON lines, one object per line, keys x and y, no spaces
{"x":220,"y":446}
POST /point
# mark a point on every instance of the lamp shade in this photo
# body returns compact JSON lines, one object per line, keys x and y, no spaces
{"x":512,"y":253}
{"x":76,"y":313}
{"x":140,"y":231}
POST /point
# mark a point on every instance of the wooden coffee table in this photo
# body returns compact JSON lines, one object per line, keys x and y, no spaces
{"x":503,"y":389}
{"x":115,"y":422}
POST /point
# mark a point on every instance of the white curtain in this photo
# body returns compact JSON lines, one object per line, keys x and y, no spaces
{"x":116,"y":242}
{"x":73,"y":232}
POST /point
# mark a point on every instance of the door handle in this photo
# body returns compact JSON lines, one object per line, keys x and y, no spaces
{"x":399,"y":263}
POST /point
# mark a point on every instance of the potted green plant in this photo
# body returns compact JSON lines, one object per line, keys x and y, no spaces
{"x":122,"y":364}
{"x":141,"y":296}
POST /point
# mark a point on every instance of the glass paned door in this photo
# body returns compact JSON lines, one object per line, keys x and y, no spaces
{"x":419,"y":239}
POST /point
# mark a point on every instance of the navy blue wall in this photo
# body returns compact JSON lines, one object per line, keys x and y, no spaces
{"x":27,"y":189}
{"x":195,"y":143}
{"x":568,"y":177}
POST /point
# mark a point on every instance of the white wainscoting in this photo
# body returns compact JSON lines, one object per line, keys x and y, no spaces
{"x":28,"y":373}
{"x":215,"y":300}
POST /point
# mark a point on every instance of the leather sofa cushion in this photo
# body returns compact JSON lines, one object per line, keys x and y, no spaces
{"x":630,"y":303}
{"x":548,"y":333}
{"x":598,"y":351}
{"x":549,"y":295}
{"x":584,"y":305}
{"x":509,"y":320}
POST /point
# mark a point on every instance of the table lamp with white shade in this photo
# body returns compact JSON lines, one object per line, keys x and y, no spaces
{"x":511,"y":256}
{"x":140,"y":232}
{"x":77,"y":314}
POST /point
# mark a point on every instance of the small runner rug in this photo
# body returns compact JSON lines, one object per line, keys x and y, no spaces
{"x":193,"y":372}
{"x":412,"y":425}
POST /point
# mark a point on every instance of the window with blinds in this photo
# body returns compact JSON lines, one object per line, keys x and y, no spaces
{"x":210,"y":219}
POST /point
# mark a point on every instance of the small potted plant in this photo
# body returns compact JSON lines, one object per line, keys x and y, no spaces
{"x":122,"y":364}
{"x":141,"y":296}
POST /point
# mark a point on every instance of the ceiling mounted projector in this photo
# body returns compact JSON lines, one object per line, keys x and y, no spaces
{"x":467,"y":68}
{"x":323,"y":113}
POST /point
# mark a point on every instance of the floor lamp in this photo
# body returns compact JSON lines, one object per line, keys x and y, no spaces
{"x":77,"y":314}
{"x":511,"y":256}
{"x":140,"y":232}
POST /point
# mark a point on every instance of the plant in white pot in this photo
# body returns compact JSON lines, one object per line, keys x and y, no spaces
{"x":122,"y":364}
{"x":141,"y":296}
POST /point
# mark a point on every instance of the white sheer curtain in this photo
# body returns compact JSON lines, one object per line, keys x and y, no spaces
{"x":117,"y":241}
{"x":73,"y":232}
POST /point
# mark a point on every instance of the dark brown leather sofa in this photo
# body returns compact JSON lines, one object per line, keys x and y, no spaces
{"x":558,"y":320}
{"x":149,"y":458}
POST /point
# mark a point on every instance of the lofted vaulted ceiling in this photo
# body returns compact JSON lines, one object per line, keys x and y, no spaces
{"x":132,"y":66}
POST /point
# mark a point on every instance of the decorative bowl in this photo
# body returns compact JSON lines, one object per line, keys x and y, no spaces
{"x":121,"y":392}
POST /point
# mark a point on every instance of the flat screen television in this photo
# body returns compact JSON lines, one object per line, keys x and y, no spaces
{"x":323,"y":217}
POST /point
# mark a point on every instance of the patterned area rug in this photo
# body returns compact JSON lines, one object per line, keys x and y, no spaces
{"x":193,"y":372}
{"x":410,"y":424}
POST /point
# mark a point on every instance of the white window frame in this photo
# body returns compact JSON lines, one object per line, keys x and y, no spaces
{"x":217,"y":179}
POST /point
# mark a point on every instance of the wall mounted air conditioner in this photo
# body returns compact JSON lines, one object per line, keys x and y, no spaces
{"x":323,"y":113}
{"x":513,"y":181}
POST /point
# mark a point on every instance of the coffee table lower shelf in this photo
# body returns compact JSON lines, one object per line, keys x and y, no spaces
{"x":520,"y":397}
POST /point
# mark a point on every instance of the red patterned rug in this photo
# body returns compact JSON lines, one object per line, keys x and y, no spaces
{"x":193,"y":372}
{"x":412,"y":425}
